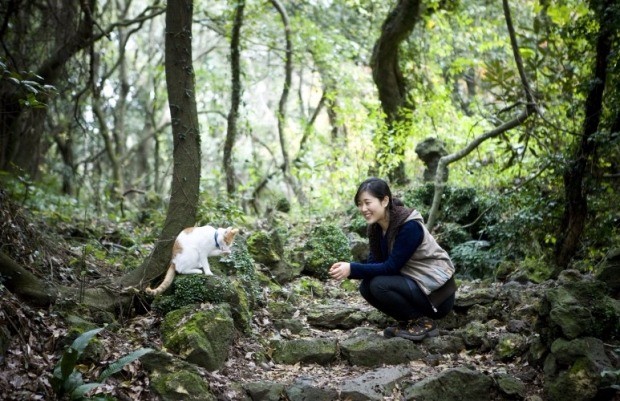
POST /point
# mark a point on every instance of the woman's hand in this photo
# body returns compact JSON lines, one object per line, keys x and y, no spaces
{"x":340,"y":270}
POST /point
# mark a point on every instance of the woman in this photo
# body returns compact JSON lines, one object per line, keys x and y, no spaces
{"x":408,"y":276}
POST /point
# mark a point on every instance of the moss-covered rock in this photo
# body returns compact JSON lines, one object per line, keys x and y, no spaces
{"x":174,"y":380}
{"x":511,"y":386}
{"x":510,"y":346}
{"x":374,"y":350}
{"x":265,"y":248}
{"x":452,"y":384}
{"x":326,"y":245}
{"x":182,"y":385}
{"x":240,"y":264}
{"x":195,"y":289}
{"x":202,"y":337}
{"x":574,"y":369}
{"x":305,"y":350}
{"x":309,"y":287}
{"x":580,"y":308}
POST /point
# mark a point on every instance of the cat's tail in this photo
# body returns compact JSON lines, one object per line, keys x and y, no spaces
{"x":164,"y":284}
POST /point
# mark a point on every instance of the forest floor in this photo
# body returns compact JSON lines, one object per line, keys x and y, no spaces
{"x":39,"y":337}
{"x":32,"y":340}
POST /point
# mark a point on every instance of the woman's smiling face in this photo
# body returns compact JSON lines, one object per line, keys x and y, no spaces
{"x":372,"y":208}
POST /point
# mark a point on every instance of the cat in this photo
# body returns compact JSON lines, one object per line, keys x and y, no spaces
{"x":191,"y":249}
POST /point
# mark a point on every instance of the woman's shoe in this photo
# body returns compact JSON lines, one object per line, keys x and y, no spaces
{"x":417,"y":330}
{"x":391,"y":331}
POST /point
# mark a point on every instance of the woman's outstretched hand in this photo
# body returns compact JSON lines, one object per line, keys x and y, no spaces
{"x":340,"y":270}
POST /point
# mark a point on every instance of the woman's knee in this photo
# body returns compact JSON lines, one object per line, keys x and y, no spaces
{"x":364,"y":288}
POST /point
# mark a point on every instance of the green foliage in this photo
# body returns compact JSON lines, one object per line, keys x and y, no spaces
{"x":473,"y":260}
{"x":68,"y":381}
{"x":326,"y":245}
{"x":219,"y":211}
{"x":32,"y":93}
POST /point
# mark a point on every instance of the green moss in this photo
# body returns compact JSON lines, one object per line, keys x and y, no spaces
{"x":308,"y":286}
{"x":202,"y":337}
{"x":181,"y":385}
{"x":265,"y":248}
{"x":327,"y":244}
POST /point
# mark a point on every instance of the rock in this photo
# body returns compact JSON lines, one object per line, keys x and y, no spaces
{"x":474,"y":335}
{"x":335,"y":316}
{"x":510,"y":345}
{"x":374,"y":350}
{"x":581,"y":309}
{"x":264,"y":391}
{"x":305,"y":350}
{"x":202,"y":337}
{"x":444,"y":344}
{"x":373,"y":385}
{"x":480,"y":296}
{"x":609,"y":272}
{"x":267,"y":248}
{"x":574,"y":369}
{"x":430,"y":150}
{"x":517,"y":326}
{"x":511,"y":386}
{"x":452,"y":384}
{"x":309,"y":392}
{"x":295,"y":326}
{"x":359,"y":247}
{"x":173,"y":379}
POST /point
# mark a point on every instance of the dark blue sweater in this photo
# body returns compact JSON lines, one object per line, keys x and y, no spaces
{"x":407,"y":240}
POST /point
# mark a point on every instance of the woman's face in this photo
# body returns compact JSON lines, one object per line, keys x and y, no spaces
{"x":372,"y":208}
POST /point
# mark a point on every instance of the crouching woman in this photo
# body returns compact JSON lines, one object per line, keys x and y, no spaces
{"x":407,"y":276}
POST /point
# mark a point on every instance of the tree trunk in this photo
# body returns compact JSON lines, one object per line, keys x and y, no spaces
{"x":288,"y":72}
{"x":186,"y":139}
{"x":575,"y":190}
{"x":386,"y":71}
{"x":231,"y":133}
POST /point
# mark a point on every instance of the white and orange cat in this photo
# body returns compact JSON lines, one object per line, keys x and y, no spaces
{"x":191,"y":249}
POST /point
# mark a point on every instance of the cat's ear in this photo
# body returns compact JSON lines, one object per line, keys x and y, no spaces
{"x":230,"y":234}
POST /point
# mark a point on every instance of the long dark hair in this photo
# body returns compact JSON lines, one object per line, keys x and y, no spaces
{"x":377,"y":188}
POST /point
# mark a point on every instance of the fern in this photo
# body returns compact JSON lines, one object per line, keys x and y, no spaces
{"x":67,"y":380}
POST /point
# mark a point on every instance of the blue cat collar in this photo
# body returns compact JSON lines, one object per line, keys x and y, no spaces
{"x":217,"y":245}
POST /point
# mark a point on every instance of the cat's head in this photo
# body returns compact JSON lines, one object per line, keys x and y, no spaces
{"x":225,"y":238}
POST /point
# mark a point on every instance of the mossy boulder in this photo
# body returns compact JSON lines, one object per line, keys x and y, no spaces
{"x":192,"y":289}
{"x":202,"y":336}
{"x":375,"y":350}
{"x":267,"y":249}
{"x":337,"y":316}
{"x":321,"y":351}
{"x":326,"y":245}
{"x":574,"y":369}
{"x":452,"y":384}
{"x":309,"y":287}
{"x":510,"y":346}
{"x":240,"y":265}
{"x":173,"y":379}
{"x":580,"y":308}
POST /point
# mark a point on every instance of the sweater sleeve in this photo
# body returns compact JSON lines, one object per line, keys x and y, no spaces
{"x":407,"y":240}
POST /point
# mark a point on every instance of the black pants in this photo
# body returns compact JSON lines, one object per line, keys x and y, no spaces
{"x":401,"y":298}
